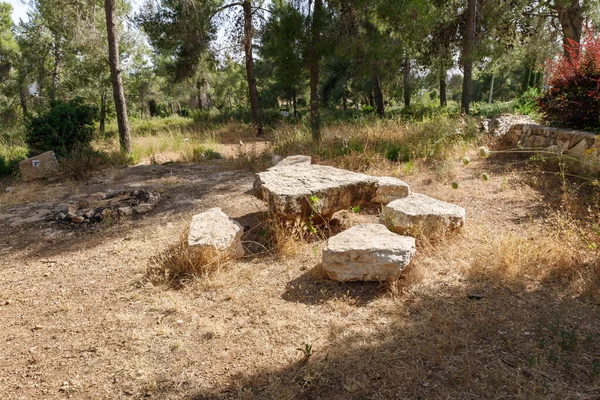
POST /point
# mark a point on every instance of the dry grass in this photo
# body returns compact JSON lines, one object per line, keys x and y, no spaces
{"x":244,"y":328}
{"x":180,"y":263}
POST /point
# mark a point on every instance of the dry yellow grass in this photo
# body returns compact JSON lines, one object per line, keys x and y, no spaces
{"x":245,"y":331}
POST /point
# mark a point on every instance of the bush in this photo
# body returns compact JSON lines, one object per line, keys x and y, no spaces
{"x":573,"y":97}
{"x":63,"y":128}
{"x":492,"y":110}
{"x":528,"y":102}
{"x":12,"y":150}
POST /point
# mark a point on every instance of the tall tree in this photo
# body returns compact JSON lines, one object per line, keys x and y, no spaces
{"x":315,"y":60}
{"x":115,"y":71}
{"x":253,"y":91}
{"x":467,"y":54}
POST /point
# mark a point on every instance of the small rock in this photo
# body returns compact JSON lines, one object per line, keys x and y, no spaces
{"x":106,"y":213}
{"x":8,"y":302}
{"x":124,"y":211}
{"x":90,"y":214}
{"x":9,"y":189}
{"x":71,"y":211}
{"x":78,"y":219}
{"x":475,"y":296}
{"x":143,"y":208}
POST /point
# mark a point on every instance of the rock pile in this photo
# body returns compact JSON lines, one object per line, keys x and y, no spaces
{"x":102,"y":206}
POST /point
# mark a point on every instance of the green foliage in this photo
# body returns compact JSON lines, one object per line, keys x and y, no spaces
{"x":8,"y":47}
{"x":528,"y":102}
{"x":66,"y":126}
{"x":492,"y":110}
{"x":398,"y":152}
{"x":201,"y":153}
{"x":11,"y":152}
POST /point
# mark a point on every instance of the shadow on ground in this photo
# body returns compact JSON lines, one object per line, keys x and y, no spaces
{"x":511,"y":343}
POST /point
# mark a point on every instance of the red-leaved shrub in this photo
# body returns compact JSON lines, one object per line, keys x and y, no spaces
{"x":572,"y":97}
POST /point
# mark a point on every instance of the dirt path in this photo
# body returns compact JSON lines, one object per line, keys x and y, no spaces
{"x":78,"y":319}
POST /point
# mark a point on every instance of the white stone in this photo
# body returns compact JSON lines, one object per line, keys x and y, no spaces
{"x":390,"y":189}
{"x":214,"y":230}
{"x":367,"y":252}
{"x":319,"y":190}
{"x":294,"y":160}
{"x":420,"y":214}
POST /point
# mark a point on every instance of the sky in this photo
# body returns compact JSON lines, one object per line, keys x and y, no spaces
{"x":20,"y":9}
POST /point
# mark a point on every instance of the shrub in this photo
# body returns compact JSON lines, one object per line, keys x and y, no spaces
{"x":11,"y":152}
{"x":528,"y":102}
{"x":200,"y":153}
{"x":492,"y":110}
{"x":64,"y":127}
{"x":573,"y":97}
{"x":80,"y":163}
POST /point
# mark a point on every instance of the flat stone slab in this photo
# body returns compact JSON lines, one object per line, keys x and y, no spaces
{"x":213,"y":230}
{"x":319,"y":191}
{"x":368,"y":252}
{"x":420,"y":214}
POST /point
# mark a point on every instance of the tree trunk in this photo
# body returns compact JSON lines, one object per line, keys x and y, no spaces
{"x":23,"y":93}
{"x":115,"y":72}
{"x":378,"y":96}
{"x":406,"y":82}
{"x":443,"y":95}
{"x":491,"y":91}
{"x":199,"y":94}
{"x":295,"y":103}
{"x":315,"y":120}
{"x":248,"y":30}
{"x":571,"y":22}
{"x":467,"y":55}
{"x":103,"y":111}
{"x":56,"y":53}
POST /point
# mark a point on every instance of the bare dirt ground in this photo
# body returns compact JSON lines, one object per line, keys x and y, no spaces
{"x":79,"y":319}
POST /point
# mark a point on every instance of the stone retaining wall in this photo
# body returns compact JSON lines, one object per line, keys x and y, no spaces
{"x":578,"y":144}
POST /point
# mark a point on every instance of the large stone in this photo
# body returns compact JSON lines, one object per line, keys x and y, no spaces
{"x":319,"y":191}
{"x":294,"y":160}
{"x":213,"y":230}
{"x":367,"y":252}
{"x":41,"y":166}
{"x":420,"y":214}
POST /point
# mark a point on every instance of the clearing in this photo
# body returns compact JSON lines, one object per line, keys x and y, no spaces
{"x":506,"y":308}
